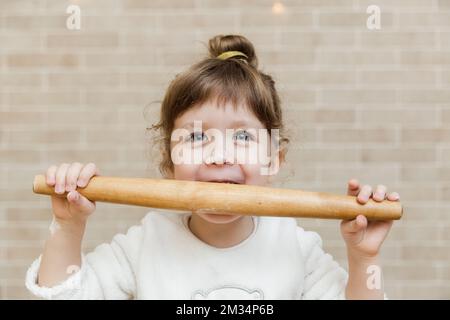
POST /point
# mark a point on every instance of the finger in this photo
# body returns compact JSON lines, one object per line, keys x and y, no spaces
{"x":72,"y":176}
{"x":380,"y":193}
{"x":79,"y":202}
{"x":365,"y":194}
{"x":361,"y":222}
{"x":393,"y":196}
{"x":353,"y":187}
{"x":50,"y":176}
{"x":88,"y":171}
{"x":61,"y":178}
{"x":355,"y":225}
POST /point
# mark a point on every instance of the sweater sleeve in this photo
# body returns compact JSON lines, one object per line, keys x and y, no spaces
{"x":324,"y":278}
{"x":105,"y":273}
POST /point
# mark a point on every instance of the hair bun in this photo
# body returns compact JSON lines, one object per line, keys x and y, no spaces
{"x":222,"y":43}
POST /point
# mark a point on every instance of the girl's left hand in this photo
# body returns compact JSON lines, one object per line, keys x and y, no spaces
{"x":364,"y":238}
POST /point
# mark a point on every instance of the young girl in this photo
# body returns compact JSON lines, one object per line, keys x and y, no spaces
{"x":207,"y":255}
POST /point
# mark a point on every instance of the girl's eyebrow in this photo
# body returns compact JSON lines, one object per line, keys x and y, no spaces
{"x":240,"y":123}
{"x":234,"y":124}
{"x":247,"y":124}
{"x":188,"y":125}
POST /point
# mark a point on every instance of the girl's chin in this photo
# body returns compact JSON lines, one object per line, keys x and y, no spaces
{"x":218,"y":218}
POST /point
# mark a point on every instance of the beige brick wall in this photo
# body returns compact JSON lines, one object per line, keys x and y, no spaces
{"x":371,"y":104}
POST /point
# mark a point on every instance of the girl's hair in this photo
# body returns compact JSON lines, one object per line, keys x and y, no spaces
{"x":236,"y":80}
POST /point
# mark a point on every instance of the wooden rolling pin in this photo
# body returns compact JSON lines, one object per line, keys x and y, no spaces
{"x":213,"y":197}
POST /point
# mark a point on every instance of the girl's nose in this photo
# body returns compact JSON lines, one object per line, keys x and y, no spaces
{"x":219,"y":157}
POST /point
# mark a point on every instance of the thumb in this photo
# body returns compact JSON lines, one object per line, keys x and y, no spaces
{"x":354,"y":226}
{"x":80,"y":202}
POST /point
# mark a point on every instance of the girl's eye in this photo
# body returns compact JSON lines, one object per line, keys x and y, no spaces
{"x":197,"y":137}
{"x":243,"y":135}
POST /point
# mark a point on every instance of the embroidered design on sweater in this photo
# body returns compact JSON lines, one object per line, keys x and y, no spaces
{"x":228,"y":292}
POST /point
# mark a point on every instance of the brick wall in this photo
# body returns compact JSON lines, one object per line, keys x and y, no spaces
{"x":371,"y":104}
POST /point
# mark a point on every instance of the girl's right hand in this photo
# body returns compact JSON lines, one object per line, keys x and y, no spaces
{"x":74,"y":207}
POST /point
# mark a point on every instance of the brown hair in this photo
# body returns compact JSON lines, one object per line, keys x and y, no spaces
{"x":236,"y":80}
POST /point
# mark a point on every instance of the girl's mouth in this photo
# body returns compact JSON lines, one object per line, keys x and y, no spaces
{"x":224,"y":181}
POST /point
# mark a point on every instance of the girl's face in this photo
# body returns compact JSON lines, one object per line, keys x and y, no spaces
{"x":219,"y":142}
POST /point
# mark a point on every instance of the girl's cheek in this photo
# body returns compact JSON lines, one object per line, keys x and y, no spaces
{"x":185,"y":172}
{"x":253,"y":175}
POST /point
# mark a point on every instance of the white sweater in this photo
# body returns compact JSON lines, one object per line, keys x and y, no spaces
{"x":163,"y":259}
